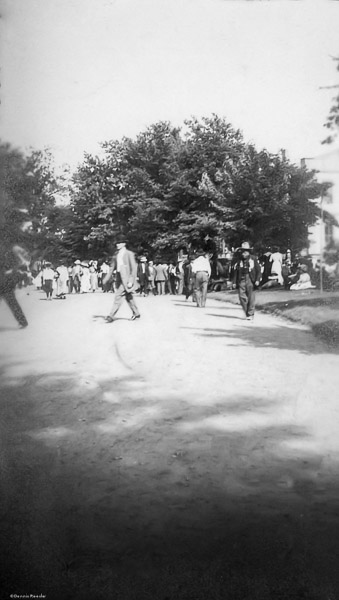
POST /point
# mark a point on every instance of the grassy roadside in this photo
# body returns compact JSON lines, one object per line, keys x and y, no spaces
{"x":309,"y":307}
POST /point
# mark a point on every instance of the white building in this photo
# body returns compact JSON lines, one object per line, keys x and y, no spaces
{"x":324,"y":233}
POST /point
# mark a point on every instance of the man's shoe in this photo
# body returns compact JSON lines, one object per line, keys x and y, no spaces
{"x":249,"y":318}
{"x":109,"y":320}
{"x":133,"y":317}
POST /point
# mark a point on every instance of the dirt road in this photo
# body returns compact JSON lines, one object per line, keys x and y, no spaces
{"x":189,"y":454}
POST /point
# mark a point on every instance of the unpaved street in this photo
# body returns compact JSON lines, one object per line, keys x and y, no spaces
{"x":189,"y":454}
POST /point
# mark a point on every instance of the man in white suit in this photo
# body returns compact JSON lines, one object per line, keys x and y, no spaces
{"x":125,"y":266}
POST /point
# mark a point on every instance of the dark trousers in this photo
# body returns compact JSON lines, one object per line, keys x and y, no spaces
{"x":171,"y":284}
{"x":247,"y":296}
{"x":48,"y":287}
{"x":143,"y":288}
{"x":13,"y":304}
{"x":76,"y":284}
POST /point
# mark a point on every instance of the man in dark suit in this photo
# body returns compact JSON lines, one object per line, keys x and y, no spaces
{"x":246,"y":277}
{"x":124,"y":265}
{"x":142,"y":275}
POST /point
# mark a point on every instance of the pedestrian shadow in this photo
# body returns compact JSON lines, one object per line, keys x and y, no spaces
{"x":226,"y":316}
{"x":227,"y":305}
{"x":103,"y":317}
{"x":185,"y":304}
{"x":280,"y":337}
{"x":331,"y":301}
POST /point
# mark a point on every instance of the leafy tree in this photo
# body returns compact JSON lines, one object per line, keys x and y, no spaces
{"x":273,"y":201}
{"x":171,"y":189}
{"x":29,"y":192}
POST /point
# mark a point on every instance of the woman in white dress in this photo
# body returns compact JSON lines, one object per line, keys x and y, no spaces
{"x":304,"y":280}
{"x":276,"y":259}
{"x":62,"y":281}
{"x":85,"y":279}
{"x":93,"y":275}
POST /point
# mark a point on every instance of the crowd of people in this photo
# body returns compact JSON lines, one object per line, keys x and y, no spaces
{"x":80,"y":278}
{"x":189,"y":275}
{"x":159,"y":277}
{"x":278,"y":269}
{"x":152,"y":277}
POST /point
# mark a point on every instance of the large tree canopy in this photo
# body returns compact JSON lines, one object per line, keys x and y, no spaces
{"x":166,"y":189}
{"x":172,"y":188}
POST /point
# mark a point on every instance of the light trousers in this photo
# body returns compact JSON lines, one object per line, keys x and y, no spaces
{"x":200,"y":288}
{"x":119,"y":295}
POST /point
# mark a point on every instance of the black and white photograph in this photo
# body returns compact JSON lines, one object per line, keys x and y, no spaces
{"x":169,"y":286}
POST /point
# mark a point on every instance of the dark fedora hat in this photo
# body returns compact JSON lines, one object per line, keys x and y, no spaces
{"x":120,"y":239}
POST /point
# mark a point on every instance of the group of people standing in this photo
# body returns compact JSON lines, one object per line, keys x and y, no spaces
{"x":80,"y":277}
{"x":189,"y":277}
{"x":159,"y":278}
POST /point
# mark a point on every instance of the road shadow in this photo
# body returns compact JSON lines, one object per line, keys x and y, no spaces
{"x":235,"y":317}
{"x":279,"y":336}
{"x":185,"y":304}
{"x":103,"y":317}
{"x":109,"y":491}
{"x":286,"y":304}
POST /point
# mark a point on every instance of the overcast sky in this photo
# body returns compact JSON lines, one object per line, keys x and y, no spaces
{"x":79,"y":72}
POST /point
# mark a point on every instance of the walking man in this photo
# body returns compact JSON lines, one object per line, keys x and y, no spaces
{"x":246,"y":278}
{"x":76,"y":276}
{"x":11,"y":263}
{"x":201,"y":270}
{"x":160,"y":277}
{"x":125,"y":266}
{"x":142,"y":271}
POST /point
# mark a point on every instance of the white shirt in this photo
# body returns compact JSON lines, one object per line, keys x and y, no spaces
{"x":201,"y":264}
{"x":120,"y":255}
{"x":63,"y":272}
{"x":48,"y":273}
{"x":104,"y":268}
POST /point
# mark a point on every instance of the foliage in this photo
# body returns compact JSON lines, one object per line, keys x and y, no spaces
{"x":29,"y":192}
{"x":170,"y":189}
{"x":167,"y":189}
